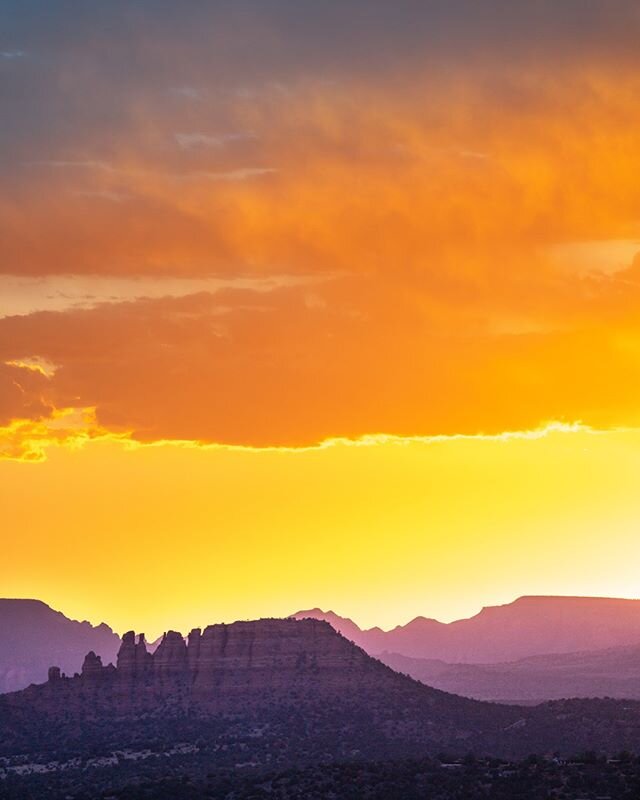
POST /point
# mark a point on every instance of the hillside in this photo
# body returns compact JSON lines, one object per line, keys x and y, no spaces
{"x":613,"y":672}
{"x":33,"y":636}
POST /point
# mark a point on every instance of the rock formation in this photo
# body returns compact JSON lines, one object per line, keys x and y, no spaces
{"x":33,"y":636}
{"x":171,"y":656}
{"x":222,"y":667}
{"x":92,"y":665}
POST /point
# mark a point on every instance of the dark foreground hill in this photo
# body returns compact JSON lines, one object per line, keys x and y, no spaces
{"x":423,"y":779}
{"x":267,"y":695}
{"x":528,"y":626}
{"x":34,"y":636}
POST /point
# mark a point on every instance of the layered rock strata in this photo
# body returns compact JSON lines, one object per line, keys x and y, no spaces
{"x":223,"y":667}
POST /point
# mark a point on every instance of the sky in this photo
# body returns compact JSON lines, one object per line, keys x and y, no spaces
{"x":318,"y":304}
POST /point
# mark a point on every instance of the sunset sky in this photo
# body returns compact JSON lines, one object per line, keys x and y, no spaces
{"x":318,"y":304}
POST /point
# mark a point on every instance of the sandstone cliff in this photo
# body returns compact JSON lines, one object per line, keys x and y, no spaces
{"x":222,"y":667}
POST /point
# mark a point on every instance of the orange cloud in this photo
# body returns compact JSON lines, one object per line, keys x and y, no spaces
{"x":437,"y":230}
{"x":345,"y":358}
{"x":434,"y":180}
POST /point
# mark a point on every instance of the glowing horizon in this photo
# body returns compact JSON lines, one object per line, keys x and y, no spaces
{"x":163,"y":535}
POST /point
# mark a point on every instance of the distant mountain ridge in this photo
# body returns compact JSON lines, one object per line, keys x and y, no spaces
{"x":529,"y":626}
{"x":614,"y":672}
{"x":33,"y":636}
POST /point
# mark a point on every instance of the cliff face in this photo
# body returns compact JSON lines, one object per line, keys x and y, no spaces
{"x":225,"y":666}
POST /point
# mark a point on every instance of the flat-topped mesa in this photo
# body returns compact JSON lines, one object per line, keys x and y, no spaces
{"x":262,"y":644}
{"x":277,"y":657}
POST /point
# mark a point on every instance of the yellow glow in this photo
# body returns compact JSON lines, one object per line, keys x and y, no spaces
{"x":176,"y":536}
{"x":28,"y":440}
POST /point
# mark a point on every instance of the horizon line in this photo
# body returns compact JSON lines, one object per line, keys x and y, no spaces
{"x":154,"y":638}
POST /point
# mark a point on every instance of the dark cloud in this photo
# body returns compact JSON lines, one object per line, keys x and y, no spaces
{"x":95,"y":69}
{"x":95,"y":180}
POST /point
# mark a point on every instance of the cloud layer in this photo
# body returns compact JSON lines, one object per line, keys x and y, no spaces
{"x":446,"y":187}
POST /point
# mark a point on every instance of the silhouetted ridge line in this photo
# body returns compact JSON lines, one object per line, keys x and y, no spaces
{"x":531,"y":625}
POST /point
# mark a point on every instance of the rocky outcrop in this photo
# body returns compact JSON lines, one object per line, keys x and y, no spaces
{"x":92,"y":665}
{"x":53,"y":674}
{"x":223,"y":667}
{"x":133,"y":660}
{"x":171,"y":659}
{"x":33,"y":636}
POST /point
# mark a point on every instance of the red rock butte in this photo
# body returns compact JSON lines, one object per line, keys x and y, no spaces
{"x":220,"y":667}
